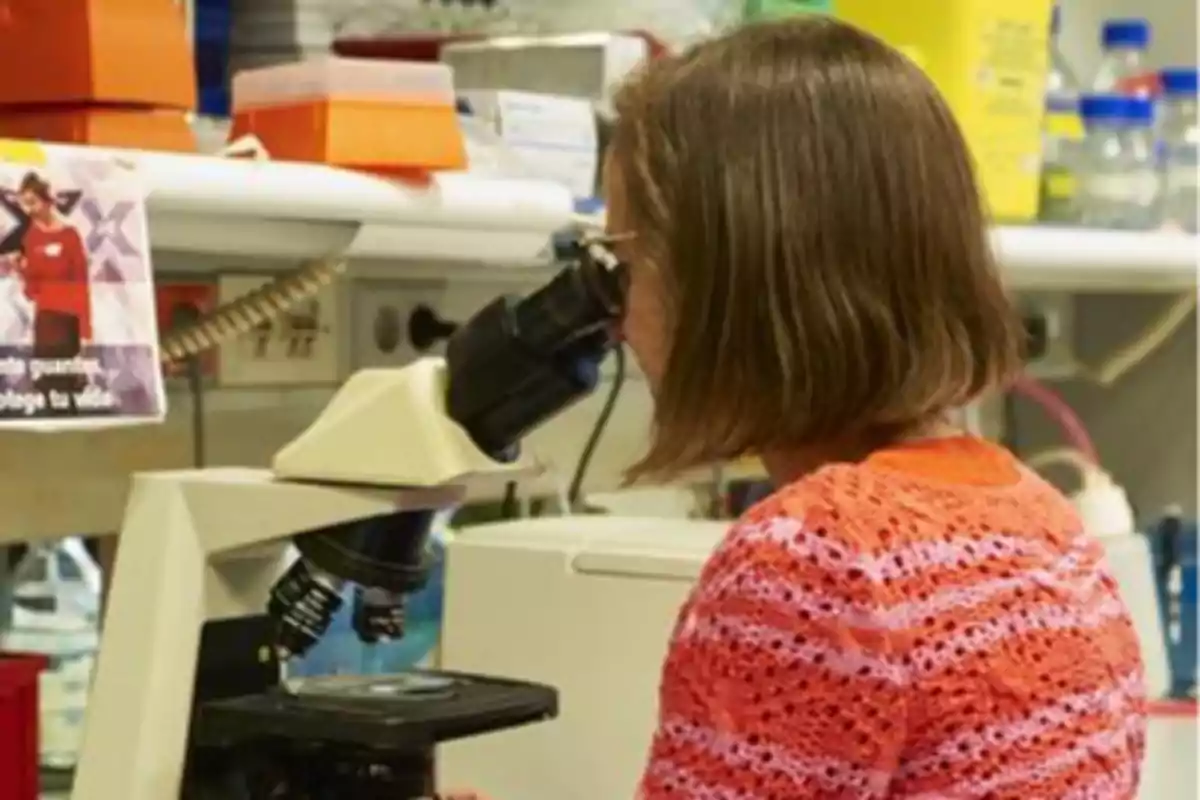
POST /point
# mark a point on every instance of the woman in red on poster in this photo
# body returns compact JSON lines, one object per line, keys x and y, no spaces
{"x":54,"y":265}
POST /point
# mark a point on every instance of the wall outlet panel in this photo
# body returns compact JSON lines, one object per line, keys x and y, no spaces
{"x":1057,"y":312}
{"x":179,"y":301}
{"x":301,"y":348}
{"x":380,"y":309}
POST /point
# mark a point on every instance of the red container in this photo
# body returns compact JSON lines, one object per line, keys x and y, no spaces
{"x":406,"y":47}
{"x":428,"y":46}
{"x":19,"y":725}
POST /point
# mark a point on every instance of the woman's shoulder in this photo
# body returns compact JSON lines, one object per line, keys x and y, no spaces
{"x":847,"y":503}
{"x":843,"y":512}
{"x":807,"y":531}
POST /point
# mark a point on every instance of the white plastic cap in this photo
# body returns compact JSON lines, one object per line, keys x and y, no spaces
{"x":1103,"y":506}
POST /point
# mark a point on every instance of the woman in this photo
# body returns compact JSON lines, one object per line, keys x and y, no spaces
{"x":54,"y":266}
{"x":912,"y":614}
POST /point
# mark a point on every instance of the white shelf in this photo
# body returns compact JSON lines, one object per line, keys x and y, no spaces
{"x":1039,"y":257}
{"x":208,"y":206}
{"x":229,"y":209}
{"x":1084,"y":260}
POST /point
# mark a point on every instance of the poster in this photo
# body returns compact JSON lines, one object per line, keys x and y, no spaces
{"x":78,"y":328}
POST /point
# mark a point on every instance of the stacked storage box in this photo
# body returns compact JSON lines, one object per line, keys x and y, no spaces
{"x":116,"y":73}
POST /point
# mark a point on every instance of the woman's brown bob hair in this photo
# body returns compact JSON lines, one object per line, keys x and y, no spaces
{"x":809,"y":202}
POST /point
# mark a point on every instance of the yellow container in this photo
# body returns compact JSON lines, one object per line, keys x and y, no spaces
{"x":989,"y":58}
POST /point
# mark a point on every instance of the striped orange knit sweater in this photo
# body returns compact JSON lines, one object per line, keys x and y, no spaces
{"x":930,"y":623}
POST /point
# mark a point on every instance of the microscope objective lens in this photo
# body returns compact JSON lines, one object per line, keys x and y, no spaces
{"x":303,"y":603}
{"x":378,"y":614}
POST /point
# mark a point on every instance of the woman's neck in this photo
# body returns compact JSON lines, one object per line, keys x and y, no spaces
{"x":786,"y":465}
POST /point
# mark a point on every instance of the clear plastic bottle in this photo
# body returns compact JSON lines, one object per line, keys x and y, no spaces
{"x":1122,"y":69}
{"x":1120,"y":181}
{"x":56,"y":608}
{"x":1062,"y":133}
{"x":1142,"y":156}
{"x":1180,"y":131}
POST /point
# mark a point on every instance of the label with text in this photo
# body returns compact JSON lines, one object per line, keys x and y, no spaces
{"x":78,"y":324}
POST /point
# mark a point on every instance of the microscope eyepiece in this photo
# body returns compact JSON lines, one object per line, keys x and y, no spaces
{"x":520,"y":361}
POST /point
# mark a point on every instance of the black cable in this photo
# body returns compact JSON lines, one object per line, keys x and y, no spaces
{"x":183,"y":316}
{"x":589,"y":448}
{"x":195,"y":370}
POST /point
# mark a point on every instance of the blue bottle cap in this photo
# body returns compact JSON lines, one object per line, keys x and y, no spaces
{"x":1179,"y":81}
{"x":1126,"y":33}
{"x":1103,"y":107}
{"x":1139,"y":111}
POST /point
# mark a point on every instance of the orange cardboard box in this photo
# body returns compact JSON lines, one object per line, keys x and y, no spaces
{"x":103,"y":126}
{"x":95,"y":51}
{"x":367,"y":134}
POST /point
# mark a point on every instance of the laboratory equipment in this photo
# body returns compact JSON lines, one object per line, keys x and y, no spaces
{"x":1180,"y":131}
{"x":1120,"y":178}
{"x":342,"y":651}
{"x":966,"y":48}
{"x":1062,"y":131}
{"x":201,"y":553}
{"x":589,"y":66}
{"x":1122,"y":68}
{"x":1173,"y":542}
{"x":588,"y":606}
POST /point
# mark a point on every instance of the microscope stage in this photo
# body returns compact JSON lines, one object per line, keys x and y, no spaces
{"x":407,"y":712}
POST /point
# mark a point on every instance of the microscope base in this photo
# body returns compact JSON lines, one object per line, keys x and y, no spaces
{"x":349,"y":736}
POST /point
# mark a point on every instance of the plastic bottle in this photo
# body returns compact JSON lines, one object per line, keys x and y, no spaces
{"x":1119,"y":171}
{"x":1142,"y":156}
{"x":56,"y":608}
{"x":1180,"y":131}
{"x":1122,"y":69}
{"x":1062,"y":133}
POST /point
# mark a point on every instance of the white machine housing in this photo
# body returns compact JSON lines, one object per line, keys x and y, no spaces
{"x":585,"y":604}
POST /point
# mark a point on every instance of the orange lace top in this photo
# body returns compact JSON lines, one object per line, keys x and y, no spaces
{"x":930,"y":623}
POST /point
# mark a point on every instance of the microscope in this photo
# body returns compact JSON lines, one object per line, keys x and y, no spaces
{"x":188,"y":699}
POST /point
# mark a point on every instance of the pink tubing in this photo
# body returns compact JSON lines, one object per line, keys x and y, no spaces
{"x":1060,"y":411}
